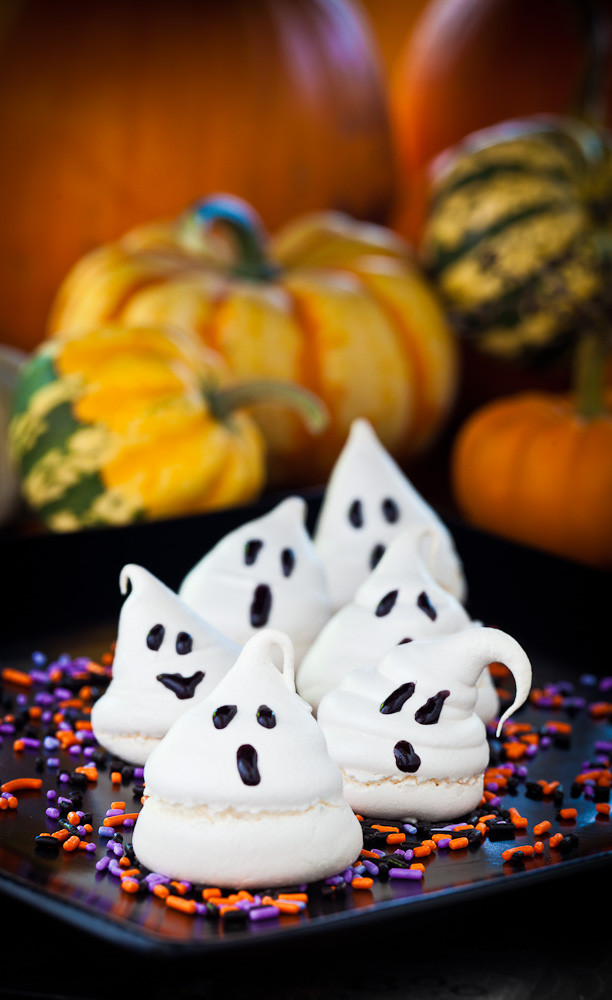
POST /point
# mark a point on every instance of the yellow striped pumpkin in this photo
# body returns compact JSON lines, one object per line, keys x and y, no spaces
{"x":516,"y":237}
{"x":337,"y":306}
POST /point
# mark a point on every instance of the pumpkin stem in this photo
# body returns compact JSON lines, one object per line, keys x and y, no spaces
{"x":591,"y":103}
{"x":224,"y":400}
{"x":234,"y":216}
{"x":592,"y":351}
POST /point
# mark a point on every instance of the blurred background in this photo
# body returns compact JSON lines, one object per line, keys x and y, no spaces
{"x":397,"y":209}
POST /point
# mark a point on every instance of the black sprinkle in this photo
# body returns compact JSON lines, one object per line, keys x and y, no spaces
{"x":156,"y":637}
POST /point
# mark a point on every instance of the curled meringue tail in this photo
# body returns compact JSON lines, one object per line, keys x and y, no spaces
{"x":131,"y":576}
{"x":262,"y":645}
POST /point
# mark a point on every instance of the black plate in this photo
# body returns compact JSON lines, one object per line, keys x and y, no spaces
{"x":64,"y":598}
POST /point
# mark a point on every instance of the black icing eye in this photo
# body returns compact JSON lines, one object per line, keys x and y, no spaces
{"x":266,"y":717}
{"x":261,"y":606}
{"x":397,"y":699}
{"x":156,"y":637}
{"x":287,"y":561}
{"x":355,"y":514}
{"x":386,"y":603}
{"x":184,"y":643}
{"x":426,"y":606}
{"x":376,"y":555}
{"x":246,"y":762}
{"x":406,"y":759}
{"x":390,"y":510}
{"x":251,"y":550}
{"x":402,"y":641}
{"x":223,"y":715}
{"x":429,"y":713}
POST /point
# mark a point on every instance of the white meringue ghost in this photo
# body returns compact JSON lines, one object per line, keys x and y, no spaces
{"x":405,"y":732}
{"x":166,"y":658}
{"x":264,"y":573}
{"x":367,"y":501}
{"x":242,"y":791}
{"x":399,"y":601}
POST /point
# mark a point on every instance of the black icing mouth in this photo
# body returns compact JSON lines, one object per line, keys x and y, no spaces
{"x":261,"y":606}
{"x":246,"y":762}
{"x":182,"y":687}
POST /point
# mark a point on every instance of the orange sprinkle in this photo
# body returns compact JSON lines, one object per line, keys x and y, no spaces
{"x":118,"y":805}
{"x":568,"y":813}
{"x":364,"y":853}
{"x":301,"y":897}
{"x":600,"y":709}
{"x":35,"y":711}
{"x":74,"y":818}
{"x":362,"y":882}
{"x":130,"y":884}
{"x":286,"y":906}
{"x":71,"y":843}
{"x":424,"y":849}
{"x":396,"y":838}
{"x":13,"y":676}
{"x":541,"y":828}
{"x":162,"y":891}
{"x":61,"y":835}
{"x":525,"y":849}
{"x":19,"y":784}
{"x":18,"y":745}
{"x":180,"y":888}
{"x":514,"y":751}
{"x":89,"y":770}
{"x":555,"y":839}
{"x":519,"y":821}
{"x":385,"y":829}
{"x":417,"y":864}
{"x":457,"y":843}
{"x":603,"y":808}
{"x":211,"y":893}
{"x":116,"y":777}
{"x":118,"y":820}
{"x":538,"y":847}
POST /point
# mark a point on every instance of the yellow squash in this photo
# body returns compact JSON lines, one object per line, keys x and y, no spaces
{"x":332,"y":304}
{"x":111,"y":425}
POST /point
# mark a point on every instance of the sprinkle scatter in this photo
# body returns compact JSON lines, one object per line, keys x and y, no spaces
{"x":45,"y":720}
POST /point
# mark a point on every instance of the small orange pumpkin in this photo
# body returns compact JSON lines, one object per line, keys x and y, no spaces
{"x":536,"y":467}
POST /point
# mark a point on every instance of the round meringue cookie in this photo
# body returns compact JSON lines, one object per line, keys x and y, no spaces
{"x":398,"y":602}
{"x":405,"y":732}
{"x":242,"y":791}
{"x":166,"y":658}
{"x":265,"y":573}
{"x":367,"y":501}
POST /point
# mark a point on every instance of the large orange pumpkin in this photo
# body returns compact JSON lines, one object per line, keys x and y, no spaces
{"x":117,"y":112}
{"x":330,"y":303}
{"x":467,"y":64}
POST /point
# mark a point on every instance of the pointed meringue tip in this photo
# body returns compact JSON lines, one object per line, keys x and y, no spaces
{"x":131,"y":575}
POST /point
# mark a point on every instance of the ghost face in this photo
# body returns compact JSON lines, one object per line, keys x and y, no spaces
{"x":265,"y":574}
{"x":166,"y":658}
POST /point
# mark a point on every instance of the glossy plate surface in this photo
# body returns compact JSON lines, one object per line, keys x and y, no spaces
{"x":65,"y":599}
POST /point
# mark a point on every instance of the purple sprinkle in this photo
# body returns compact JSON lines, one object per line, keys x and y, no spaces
{"x":444,"y":842}
{"x":53,"y":762}
{"x":114,"y":812}
{"x":370,"y":867}
{"x":51,"y":794}
{"x":105,"y":831}
{"x":7,"y":728}
{"x":409,"y":873}
{"x":52,"y":812}
{"x":50,"y":743}
{"x":102,"y":863}
{"x":263,"y":912}
{"x":39,"y":658}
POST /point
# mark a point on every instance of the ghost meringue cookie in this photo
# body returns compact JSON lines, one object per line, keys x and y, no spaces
{"x":242,"y":791}
{"x":166,"y":658}
{"x":405,"y":733}
{"x":265,"y":573}
{"x":367,"y":501}
{"x":398,"y":602}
